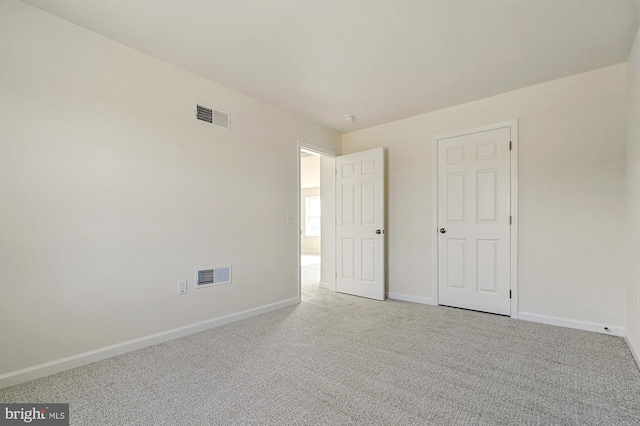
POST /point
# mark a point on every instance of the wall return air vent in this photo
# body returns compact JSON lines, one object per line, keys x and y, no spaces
{"x":211,"y":116}
{"x":213,"y":276}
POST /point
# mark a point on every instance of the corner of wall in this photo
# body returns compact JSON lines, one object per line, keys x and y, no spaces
{"x":632,"y":206}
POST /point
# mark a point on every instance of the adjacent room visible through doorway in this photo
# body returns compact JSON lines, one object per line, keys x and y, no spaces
{"x":310,"y":219}
{"x":317,"y":221}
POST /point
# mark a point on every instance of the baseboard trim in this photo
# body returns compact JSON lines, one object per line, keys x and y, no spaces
{"x":634,"y":352}
{"x":324,"y":285}
{"x":46,"y":369}
{"x":410,"y":298}
{"x":570,"y":323}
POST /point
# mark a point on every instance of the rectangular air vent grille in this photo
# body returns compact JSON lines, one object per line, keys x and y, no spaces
{"x":204,"y":114}
{"x":213,"y":276}
{"x":213,"y":117}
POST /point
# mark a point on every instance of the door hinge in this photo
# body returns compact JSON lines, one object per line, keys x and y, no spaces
{"x":509,"y":294}
{"x":510,"y":145}
{"x":510,"y":220}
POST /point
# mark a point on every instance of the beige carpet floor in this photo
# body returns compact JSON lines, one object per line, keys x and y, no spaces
{"x":310,"y":275}
{"x":342,"y":360}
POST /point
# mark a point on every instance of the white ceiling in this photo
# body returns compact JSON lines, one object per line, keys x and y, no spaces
{"x":381,"y":60}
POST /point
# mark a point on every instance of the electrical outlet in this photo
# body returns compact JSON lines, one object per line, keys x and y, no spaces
{"x":289,"y":218}
{"x":182,"y":287}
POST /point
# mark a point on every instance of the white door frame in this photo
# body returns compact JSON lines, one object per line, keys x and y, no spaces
{"x":513,"y":124}
{"x":321,"y":151}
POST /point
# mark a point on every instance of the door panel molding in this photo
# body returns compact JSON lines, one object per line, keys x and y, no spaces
{"x":360,"y":203}
{"x":453,"y":156}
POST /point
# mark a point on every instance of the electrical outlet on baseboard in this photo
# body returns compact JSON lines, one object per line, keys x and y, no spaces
{"x":182,"y":287}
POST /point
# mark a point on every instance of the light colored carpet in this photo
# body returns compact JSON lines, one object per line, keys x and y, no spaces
{"x":341,"y":360}
{"x":310,"y":277}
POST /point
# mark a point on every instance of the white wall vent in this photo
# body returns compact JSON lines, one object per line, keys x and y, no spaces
{"x":213,"y":276}
{"x":211,"y":116}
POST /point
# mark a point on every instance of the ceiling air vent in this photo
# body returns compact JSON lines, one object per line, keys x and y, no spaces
{"x":213,"y":276}
{"x":213,"y":117}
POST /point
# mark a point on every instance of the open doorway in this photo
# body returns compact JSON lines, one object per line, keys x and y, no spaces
{"x":310,"y":220}
{"x":317,"y":222}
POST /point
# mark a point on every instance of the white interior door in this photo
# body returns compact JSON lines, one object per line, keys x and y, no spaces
{"x":360,"y":224}
{"x":474,"y":221}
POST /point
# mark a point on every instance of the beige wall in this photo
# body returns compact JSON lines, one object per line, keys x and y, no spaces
{"x":310,"y":172}
{"x":571,"y":192}
{"x":111,"y":192}
{"x":308,"y":245}
{"x":633,"y":201}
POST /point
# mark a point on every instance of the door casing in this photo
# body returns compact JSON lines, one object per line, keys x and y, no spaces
{"x":513,"y":125}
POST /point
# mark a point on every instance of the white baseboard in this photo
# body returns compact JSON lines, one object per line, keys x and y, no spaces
{"x":31,"y":373}
{"x":570,"y":323}
{"x":634,"y":351}
{"x":410,"y":298}
{"x":328,"y":286}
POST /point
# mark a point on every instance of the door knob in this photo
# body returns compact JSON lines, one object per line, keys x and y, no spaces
{"x":442,"y":230}
{"x":378,"y":231}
